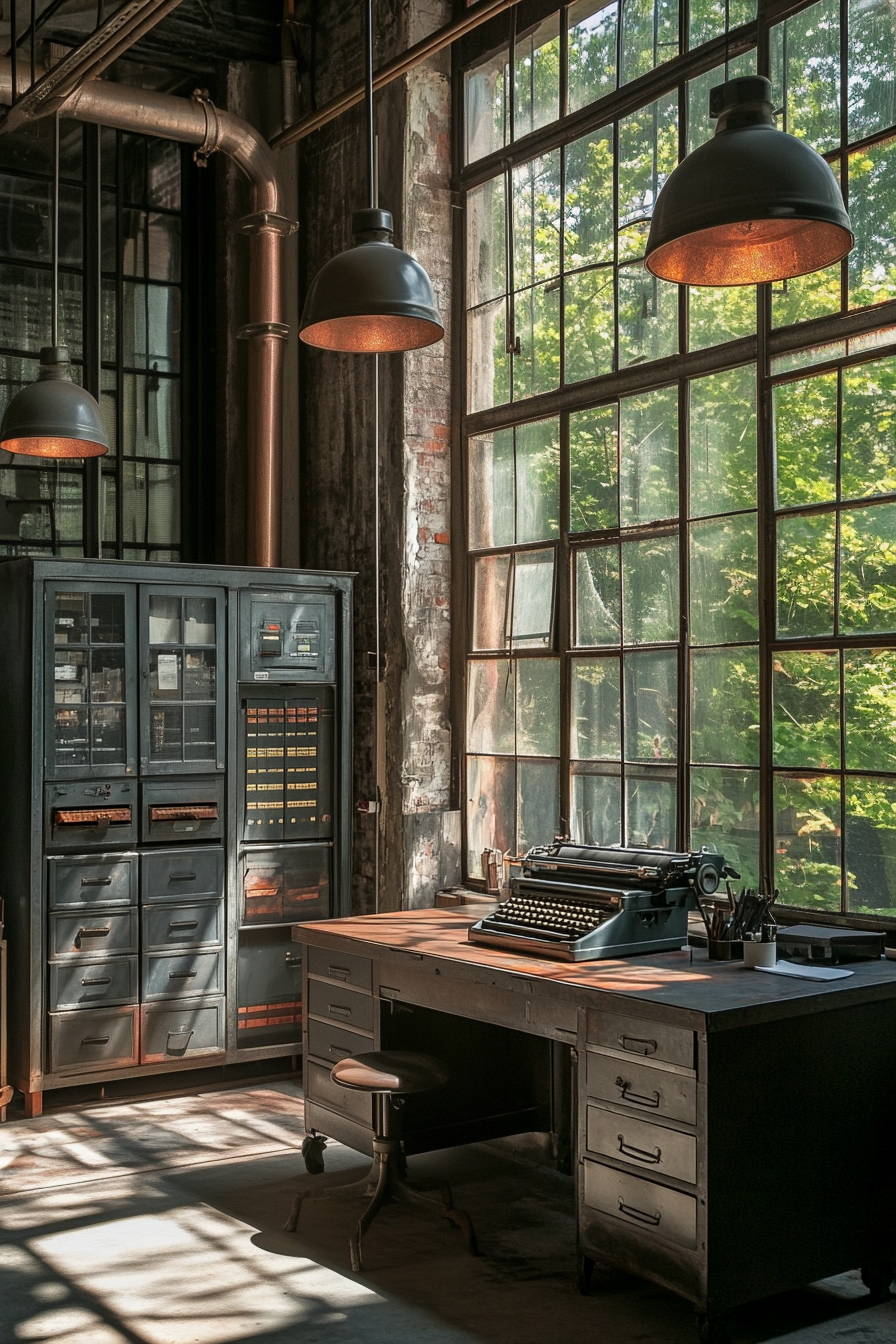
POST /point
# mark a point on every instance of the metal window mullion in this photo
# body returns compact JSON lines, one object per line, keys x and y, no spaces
{"x":683,"y":751}
{"x":767,"y":585}
{"x":119,"y":346}
{"x":565,"y":589}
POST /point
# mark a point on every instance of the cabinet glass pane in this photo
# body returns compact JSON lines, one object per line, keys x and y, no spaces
{"x":72,"y":737}
{"x":165,"y":676}
{"x":107,"y":675}
{"x":199,"y":733}
{"x":200,"y":620}
{"x":199,"y":674}
{"x":71,"y":618}
{"x":166,"y":733}
{"x":70,"y":677}
{"x":807,"y":841}
{"x":164,"y":619}
{"x":107,"y":731}
{"x":107,"y":618}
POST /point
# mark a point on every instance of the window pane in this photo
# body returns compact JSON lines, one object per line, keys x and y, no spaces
{"x":486,"y":106}
{"x":491,"y":490}
{"x":488,"y":363}
{"x":725,"y":817}
{"x":709,"y":18}
{"x":723,"y":441}
{"x":593,"y":495}
{"x":718,"y":315}
{"x":151,"y":416}
{"x":869,"y":680}
{"x":807,"y":296}
{"x":651,"y":706}
{"x":868,"y":434}
{"x":872,"y":207}
{"x":538,"y":480}
{"x":533,"y":599}
{"x":648,"y":457}
{"x":151,"y":326}
{"x":536,"y":77}
{"x":724,"y":586}
{"x":594,"y":714}
{"x":806,"y":74}
{"x":807,"y":841}
{"x":597,"y":596}
{"x":648,"y":152}
{"x":596,"y":809}
{"x":538,"y":807}
{"x":538,"y":707}
{"x":650,"y":590}
{"x":868,"y":570}
{"x":591,"y":47}
{"x":701,"y":126}
{"x":491,"y":808}
{"x":490,"y":576}
{"x":490,"y":707}
{"x":648,"y":316}
{"x":486,"y":242}
{"x":805,"y":434}
{"x":588,"y":207}
{"x":649,"y":36}
{"x":163,"y":506}
{"x":652,"y":807}
{"x":805,"y":578}
{"x":872,"y":67}
{"x":536,"y":213}
{"x":536,"y":368}
{"x":871,"y":845}
{"x":25,"y":297}
{"x":163,"y":174}
{"x":725,"y":706}
{"x":806,"y":694}
{"x":589,"y":324}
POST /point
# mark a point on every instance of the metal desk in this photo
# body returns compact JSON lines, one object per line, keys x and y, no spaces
{"x":733,"y":1130}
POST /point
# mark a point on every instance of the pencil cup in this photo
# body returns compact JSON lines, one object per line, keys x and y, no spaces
{"x":724,"y":949}
{"x":760,"y":955}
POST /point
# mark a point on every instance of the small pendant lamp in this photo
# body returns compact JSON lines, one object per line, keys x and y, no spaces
{"x":373,"y":298}
{"x":750,"y":205}
{"x":54,"y":417}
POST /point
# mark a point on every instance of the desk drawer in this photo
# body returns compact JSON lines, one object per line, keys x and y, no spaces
{"x":319,"y":1086}
{"x":92,"y":1039}
{"x":342,"y":966}
{"x":182,"y":874}
{"x":639,"y":1036}
{"x":652,"y":1209}
{"x":327,"y":1041}
{"x":656,"y":1092}
{"x":171,"y":926}
{"x":351,"y":1007}
{"x":182,"y":1031}
{"x":93,"y":933}
{"x":93,"y":983}
{"x":629,"y":1139}
{"x":189,"y":974}
{"x":89,"y":881}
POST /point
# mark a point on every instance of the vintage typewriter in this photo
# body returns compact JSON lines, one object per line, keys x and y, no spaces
{"x":579,"y":902}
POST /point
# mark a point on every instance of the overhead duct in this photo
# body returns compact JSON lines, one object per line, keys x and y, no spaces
{"x":196,"y":121}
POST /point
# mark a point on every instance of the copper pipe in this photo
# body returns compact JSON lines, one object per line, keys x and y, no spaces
{"x":400,"y":65}
{"x":196,"y":121}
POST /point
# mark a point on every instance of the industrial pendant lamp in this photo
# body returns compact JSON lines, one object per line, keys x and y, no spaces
{"x":54,"y":417}
{"x":373,"y":298}
{"x":750,"y":205}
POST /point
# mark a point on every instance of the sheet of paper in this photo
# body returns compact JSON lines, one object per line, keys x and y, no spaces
{"x":805,"y":972}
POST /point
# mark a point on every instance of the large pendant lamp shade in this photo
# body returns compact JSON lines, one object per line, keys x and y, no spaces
{"x":750,"y":205}
{"x":53,"y":417}
{"x":373,"y":298}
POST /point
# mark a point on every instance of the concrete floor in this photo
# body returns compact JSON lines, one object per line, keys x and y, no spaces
{"x":159,"y":1222}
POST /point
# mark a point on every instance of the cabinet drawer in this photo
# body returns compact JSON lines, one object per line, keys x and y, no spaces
{"x":350,"y":970}
{"x":181,"y":1032}
{"x":639,"y":1036}
{"x":180,"y":811}
{"x":84,"y":880}
{"x":629,"y":1139}
{"x":93,"y":1039}
{"x":184,"y":976}
{"x":93,"y":983}
{"x":93,"y":933}
{"x":352,"y":1007}
{"x":328,"y":1041}
{"x":319,"y":1086}
{"x":653,"y":1209}
{"x":168,"y":926}
{"x":654,"y":1091}
{"x":178,"y":874}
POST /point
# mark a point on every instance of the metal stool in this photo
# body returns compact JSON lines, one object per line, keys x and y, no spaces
{"x":386,"y":1074}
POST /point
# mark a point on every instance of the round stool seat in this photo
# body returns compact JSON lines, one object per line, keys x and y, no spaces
{"x":397,"y":1071}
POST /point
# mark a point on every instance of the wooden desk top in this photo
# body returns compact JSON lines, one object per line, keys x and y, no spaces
{"x":725,"y":993}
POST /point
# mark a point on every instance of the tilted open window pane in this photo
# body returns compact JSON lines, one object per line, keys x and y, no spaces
{"x":531,"y":616}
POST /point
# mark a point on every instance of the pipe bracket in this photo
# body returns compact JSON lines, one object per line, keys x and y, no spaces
{"x":252,"y":329}
{"x":266,"y":219}
{"x":203,"y":152}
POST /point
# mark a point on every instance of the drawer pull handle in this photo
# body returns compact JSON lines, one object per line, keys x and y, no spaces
{"x":638,"y":1045}
{"x":184,"y":924}
{"x":98,"y":980}
{"x":652,"y":1219}
{"x":640,"y":1154}
{"x":293,"y":961}
{"x":338,"y":1051}
{"x":182,"y":975}
{"x":96,"y":881}
{"x":92,"y":933}
{"x":95,"y":1040}
{"x":336,"y":1011}
{"x":181,"y":877}
{"x":638,"y":1098}
{"x":339,"y":972}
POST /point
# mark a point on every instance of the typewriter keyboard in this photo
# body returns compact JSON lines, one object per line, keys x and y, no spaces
{"x":557,"y":918}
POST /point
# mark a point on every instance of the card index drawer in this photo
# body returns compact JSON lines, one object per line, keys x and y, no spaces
{"x":341,"y":966}
{"x":650,"y":1091}
{"x":188,"y":974}
{"x":82,"y":880}
{"x":641,"y":1037}
{"x":94,"y":983}
{"x":179,"y":874}
{"x":665,"y":1152}
{"x":351,"y":1007}
{"x":93,"y":1039}
{"x":93,"y":933}
{"x":332,"y":1043}
{"x":176,"y":1033}
{"x":196,"y":925}
{"x":652,"y":1209}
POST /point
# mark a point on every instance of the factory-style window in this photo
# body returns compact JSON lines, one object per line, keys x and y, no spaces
{"x":680,"y":503}
{"x":123,"y":291}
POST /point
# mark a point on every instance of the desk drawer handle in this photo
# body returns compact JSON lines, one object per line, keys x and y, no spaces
{"x":339,"y":972}
{"x":96,"y":881}
{"x":653,"y":1219}
{"x":95,"y":1040}
{"x":638,"y":1098}
{"x":339,"y":1051}
{"x":336,"y":1011}
{"x":638,"y":1045}
{"x":182,"y":975}
{"x":183,"y":924}
{"x":98,"y":980}
{"x":639,"y":1153}
{"x":181,"y":877}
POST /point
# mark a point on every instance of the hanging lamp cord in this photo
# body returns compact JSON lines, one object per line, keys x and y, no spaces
{"x":368,"y":106}
{"x":54,"y":240}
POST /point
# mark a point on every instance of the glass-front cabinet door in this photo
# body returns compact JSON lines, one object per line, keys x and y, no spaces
{"x":91,"y":727}
{"x":183,"y":694}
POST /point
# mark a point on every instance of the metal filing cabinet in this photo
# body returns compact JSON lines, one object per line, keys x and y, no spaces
{"x":177,"y":796}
